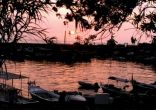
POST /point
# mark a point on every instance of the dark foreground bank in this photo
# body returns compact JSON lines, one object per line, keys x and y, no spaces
{"x":80,"y":107}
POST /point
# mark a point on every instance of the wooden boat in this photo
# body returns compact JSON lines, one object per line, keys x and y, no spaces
{"x":113,"y":90}
{"x":139,"y":87}
{"x":77,"y":98}
{"x":142,"y":87}
{"x":86,"y":85}
{"x":118,"y":79}
{"x":45,"y":96}
{"x":41,"y":94}
{"x":136,"y":84}
{"x":9,"y":95}
{"x":140,"y":92}
{"x":12,"y":98}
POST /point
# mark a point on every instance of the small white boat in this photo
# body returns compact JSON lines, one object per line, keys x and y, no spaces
{"x":75,"y":98}
{"x":45,"y":96}
{"x":42,"y":95}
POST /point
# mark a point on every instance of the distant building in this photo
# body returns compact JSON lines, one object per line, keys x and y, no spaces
{"x":111,"y":42}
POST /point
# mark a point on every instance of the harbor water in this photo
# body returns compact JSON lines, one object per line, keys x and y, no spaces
{"x":61,"y":76}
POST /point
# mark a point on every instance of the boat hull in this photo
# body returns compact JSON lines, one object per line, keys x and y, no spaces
{"x":114,"y":91}
{"x":85,"y":85}
{"x":50,"y":97}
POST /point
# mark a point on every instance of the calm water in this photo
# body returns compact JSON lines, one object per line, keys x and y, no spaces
{"x":59,"y":76}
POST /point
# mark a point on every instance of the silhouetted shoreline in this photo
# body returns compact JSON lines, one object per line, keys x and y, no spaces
{"x":142,"y":53}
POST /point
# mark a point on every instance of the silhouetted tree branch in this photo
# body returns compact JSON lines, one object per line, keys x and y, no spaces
{"x":109,"y":14}
{"x":18,"y":17}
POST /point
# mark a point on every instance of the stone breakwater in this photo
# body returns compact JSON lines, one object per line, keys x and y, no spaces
{"x":143,"y":53}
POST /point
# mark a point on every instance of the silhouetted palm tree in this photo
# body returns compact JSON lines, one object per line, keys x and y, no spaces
{"x":18,"y":18}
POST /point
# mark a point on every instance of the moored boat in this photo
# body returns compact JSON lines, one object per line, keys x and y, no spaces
{"x":114,"y":90}
{"x":143,"y":87}
{"x":86,"y":85}
{"x":45,"y":96}
{"x":41,"y":94}
{"x":11,"y":96}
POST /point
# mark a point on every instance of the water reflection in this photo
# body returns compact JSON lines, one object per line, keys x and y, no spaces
{"x":59,"y":76}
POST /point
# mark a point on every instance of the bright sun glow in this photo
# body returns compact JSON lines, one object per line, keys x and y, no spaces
{"x":72,"y":32}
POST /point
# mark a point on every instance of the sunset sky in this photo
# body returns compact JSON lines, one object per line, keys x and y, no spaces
{"x":55,"y":27}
